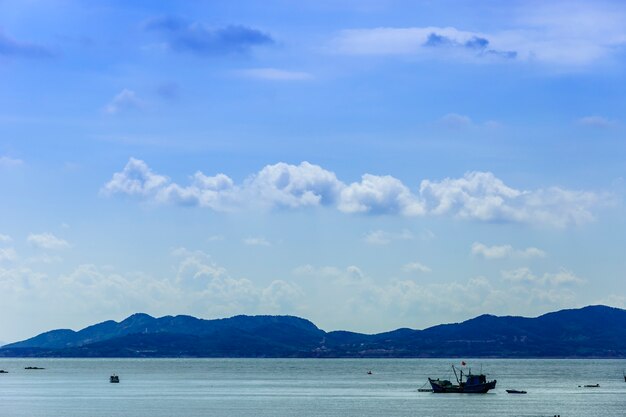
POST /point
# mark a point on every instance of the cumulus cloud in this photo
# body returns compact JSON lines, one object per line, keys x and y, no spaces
{"x":379,"y":195}
{"x":196,"y":38}
{"x":505,"y":251}
{"x":13,"y":48}
{"x":5,"y":238}
{"x":136,"y":179}
{"x":7,"y":162}
{"x":475,"y":196}
{"x":381,"y":237}
{"x":124,"y":100}
{"x":274,"y":74}
{"x":302,"y":185}
{"x":482,"y":196}
{"x":47,"y":241}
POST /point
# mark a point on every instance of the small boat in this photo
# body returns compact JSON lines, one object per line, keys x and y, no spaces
{"x":31,"y":368}
{"x":2,"y":371}
{"x":514,"y":391}
{"x":424,"y":390}
{"x":473,"y":384}
{"x":369,"y":372}
{"x":114,"y":379}
{"x":592,"y":386}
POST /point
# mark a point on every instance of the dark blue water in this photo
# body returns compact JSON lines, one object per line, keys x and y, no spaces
{"x":303,"y":387}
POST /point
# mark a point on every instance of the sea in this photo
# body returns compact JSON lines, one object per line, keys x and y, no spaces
{"x":305,"y":387}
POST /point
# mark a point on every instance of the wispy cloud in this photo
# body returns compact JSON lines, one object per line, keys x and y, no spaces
{"x":475,"y":196}
{"x":505,"y":251}
{"x":455,"y":121}
{"x":13,"y":48}
{"x":256,"y":241}
{"x":124,"y":100}
{"x":381,"y":237}
{"x":274,"y":74}
{"x":421,"y":41}
{"x":47,"y":241}
{"x":7,"y":254}
{"x":562,"y":277}
{"x":7,"y":162}
{"x":416,"y":267}
{"x":560,"y":34}
{"x":184,"y":36}
{"x":5,"y":238}
{"x":596,"y":121}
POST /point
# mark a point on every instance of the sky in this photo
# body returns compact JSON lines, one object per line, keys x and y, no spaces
{"x":367,"y":165}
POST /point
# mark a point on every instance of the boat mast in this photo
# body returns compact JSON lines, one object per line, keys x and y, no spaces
{"x":455,"y":375}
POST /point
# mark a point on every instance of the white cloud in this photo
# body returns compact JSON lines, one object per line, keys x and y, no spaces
{"x":526,"y":276}
{"x":5,"y":238}
{"x":596,"y":121}
{"x":285,"y":185}
{"x":560,"y":34}
{"x":475,"y":196}
{"x":7,"y":162}
{"x":135,"y":179}
{"x":379,"y":195}
{"x":505,"y":251}
{"x":381,"y":237}
{"x":7,"y":254}
{"x":47,"y":241}
{"x":482,"y":196}
{"x":256,"y":241}
{"x":281,"y":296}
{"x":124,"y":100}
{"x":274,"y":74}
{"x":416,"y":267}
{"x":455,"y":121}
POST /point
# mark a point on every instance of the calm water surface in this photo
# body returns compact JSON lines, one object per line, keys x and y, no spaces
{"x":303,"y":387}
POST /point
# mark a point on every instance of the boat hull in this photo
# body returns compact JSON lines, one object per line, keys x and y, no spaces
{"x":445,"y":387}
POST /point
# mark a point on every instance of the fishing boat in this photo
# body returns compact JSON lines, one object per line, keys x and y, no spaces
{"x":472,"y":384}
{"x":114,"y":379}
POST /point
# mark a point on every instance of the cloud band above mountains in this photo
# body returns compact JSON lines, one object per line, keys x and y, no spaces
{"x":474,"y":196}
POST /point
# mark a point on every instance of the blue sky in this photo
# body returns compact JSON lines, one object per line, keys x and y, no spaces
{"x":365,"y":164}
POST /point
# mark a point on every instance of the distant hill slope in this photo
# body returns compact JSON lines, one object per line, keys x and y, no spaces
{"x":594,"y":331}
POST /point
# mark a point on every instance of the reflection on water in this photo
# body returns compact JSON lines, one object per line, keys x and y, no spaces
{"x":303,"y":387}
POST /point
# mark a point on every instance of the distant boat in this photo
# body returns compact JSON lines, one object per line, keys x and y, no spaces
{"x":369,"y":372}
{"x":473,"y":384}
{"x":514,"y":391}
{"x":114,"y":379}
{"x":592,"y":386}
{"x":2,"y":371}
{"x":30,"y":368}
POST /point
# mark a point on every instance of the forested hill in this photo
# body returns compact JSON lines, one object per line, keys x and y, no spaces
{"x":594,"y":331}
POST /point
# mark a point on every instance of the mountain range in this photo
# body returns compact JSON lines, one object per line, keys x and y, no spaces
{"x":593,"y":331}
